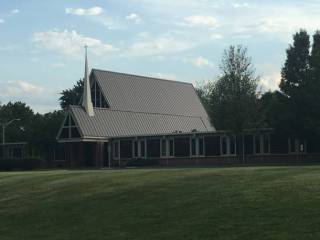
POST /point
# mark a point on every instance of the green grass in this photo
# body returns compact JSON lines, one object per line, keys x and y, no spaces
{"x":214,"y":203}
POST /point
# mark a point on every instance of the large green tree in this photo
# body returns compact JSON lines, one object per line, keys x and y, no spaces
{"x":71,"y":96}
{"x":296,"y":68}
{"x":300,"y":87}
{"x":312,"y":118}
{"x":233,"y":97}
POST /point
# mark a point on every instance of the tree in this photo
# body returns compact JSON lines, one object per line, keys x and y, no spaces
{"x":313,"y":88}
{"x":233,"y":97}
{"x":299,"y":86}
{"x":296,"y":68}
{"x":204,"y":91}
{"x":71,"y":96}
{"x":18,"y":130}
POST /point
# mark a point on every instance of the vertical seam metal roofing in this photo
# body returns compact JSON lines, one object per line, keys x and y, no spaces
{"x":108,"y":123}
{"x":128,"y":92}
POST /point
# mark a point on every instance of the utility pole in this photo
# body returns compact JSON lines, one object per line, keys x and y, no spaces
{"x":4,"y":125}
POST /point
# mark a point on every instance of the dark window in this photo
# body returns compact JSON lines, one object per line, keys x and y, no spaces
{"x":153,"y":148}
{"x":164,"y":148}
{"x":126,"y":149}
{"x":66,"y":122}
{"x":72,"y":123}
{"x":232,"y":145}
{"x":224,"y":147}
{"x":257,"y":145}
{"x":171,"y":148}
{"x":182,"y":147}
{"x":193,"y":147}
{"x":97,"y":97}
{"x":74,"y":133}
{"x":292,"y":145}
{"x":116,"y":149}
{"x":212,"y":145}
{"x":248,"y":144}
{"x":266,"y":144}
{"x":135,"y":148}
{"x":200,"y":146}
{"x":64,"y":133}
{"x":142,"y":148}
{"x":279,"y":144}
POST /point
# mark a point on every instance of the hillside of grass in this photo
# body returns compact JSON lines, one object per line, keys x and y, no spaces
{"x":214,"y":203}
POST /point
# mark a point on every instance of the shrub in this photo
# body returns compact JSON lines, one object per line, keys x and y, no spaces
{"x":20,"y":164}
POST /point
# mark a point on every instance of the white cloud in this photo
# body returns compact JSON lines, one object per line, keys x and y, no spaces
{"x":134,"y":17}
{"x":271,"y":76}
{"x":199,"y":20}
{"x":70,"y":43}
{"x":271,"y":81}
{"x":14,"y":11}
{"x":201,"y":62}
{"x":240,"y":5}
{"x":1,"y":20}
{"x":38,"y":97}
{"x":85,"y":12}
{"x":216,"y":36}
{"x":159,"y":46}
{"x":20,"y":88}
{"x":164,"y":76}
{"x":58,"y":65}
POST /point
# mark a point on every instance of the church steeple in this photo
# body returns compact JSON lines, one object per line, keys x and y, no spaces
{"x":86,"y":98}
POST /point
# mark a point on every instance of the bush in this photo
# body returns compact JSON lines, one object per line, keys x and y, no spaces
{"x":20,"y":164}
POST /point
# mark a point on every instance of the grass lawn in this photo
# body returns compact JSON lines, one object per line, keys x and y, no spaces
{"x":214,"y":203}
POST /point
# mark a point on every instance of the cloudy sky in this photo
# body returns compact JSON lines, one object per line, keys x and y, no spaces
{"x":41,"y":43}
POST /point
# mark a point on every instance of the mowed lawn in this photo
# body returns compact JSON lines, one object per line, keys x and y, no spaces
{"x":213,"y":203}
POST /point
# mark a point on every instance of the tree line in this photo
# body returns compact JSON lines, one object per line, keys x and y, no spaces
{"x":234,"y":101}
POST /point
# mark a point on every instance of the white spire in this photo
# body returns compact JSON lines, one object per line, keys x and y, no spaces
{"x":86,"y":98}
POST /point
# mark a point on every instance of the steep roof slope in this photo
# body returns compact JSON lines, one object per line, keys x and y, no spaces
{"x":108,"y":123}
{"x":127,"y":92}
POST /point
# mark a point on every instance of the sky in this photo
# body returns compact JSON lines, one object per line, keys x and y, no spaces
{"x":41,"y":41}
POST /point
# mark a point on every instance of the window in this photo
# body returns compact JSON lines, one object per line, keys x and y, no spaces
{"x":261,"y":144}
{"x":69,"y":129}
{"x":126,"y":149}
{"x":98,"y":100}
{"x":224,"y":145}
{"x":163,"y":148}
{"x":233,"y":145}
{"x":212,"y":145}
{"x":142,"y":148}
{"x":266,"y":144}
{"x":135,"y":149}
{"x":171,"y":148}
{"x":116,"y":149}
{"x":201,"y":145}
{"x":153,"y":148}
{"x":193,"y":147}
{"x":182,"y":147}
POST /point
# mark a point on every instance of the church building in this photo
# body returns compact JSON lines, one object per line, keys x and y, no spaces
{"x":125,"y":119}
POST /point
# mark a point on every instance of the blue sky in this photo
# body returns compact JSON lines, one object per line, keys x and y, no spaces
{"x":41,"y":43}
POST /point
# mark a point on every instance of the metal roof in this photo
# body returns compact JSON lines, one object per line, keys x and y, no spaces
{"x":108,"y":123}
{"x":128,"y":92}
{"x":141,"y":106}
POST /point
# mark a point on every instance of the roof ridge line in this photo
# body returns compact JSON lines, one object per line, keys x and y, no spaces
{"x":135,"y":75}
{"x":154,"y":113}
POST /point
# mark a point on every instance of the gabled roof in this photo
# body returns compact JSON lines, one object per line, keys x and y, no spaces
{"x":108,"y":123}
{"x":127,"y":92}
{"x":141,"y":106}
